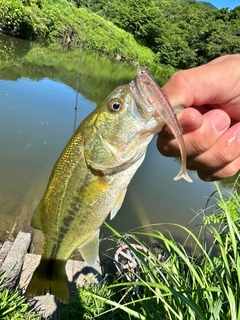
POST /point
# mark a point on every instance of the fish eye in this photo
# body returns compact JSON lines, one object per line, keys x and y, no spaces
{"x":115,"y":106}
{"x":142,"y":71}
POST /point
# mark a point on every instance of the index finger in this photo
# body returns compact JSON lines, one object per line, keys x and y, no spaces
{"x":215,"y":84}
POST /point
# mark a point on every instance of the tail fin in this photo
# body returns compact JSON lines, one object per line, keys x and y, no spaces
{"x":55,"y":283}
{"x":183,"y":175}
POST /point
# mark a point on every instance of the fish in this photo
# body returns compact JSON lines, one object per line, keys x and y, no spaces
{"x":88,"y":182}
{"x":90,"y":178}
{"x":150,"y":92}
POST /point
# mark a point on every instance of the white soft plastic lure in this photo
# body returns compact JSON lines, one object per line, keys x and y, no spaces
{"x":151,"y":92}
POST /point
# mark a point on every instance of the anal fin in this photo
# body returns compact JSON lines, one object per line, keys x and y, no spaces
{"x":89,"y":249}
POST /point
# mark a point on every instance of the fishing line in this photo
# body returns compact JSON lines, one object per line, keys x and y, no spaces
{"x":77,"y":87}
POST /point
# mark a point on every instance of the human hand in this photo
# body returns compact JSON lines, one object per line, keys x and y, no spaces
{"x":211,"y":120}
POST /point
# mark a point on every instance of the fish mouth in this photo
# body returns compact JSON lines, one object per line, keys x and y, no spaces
{"x":147,"y":110}
{"x":154,"y":123}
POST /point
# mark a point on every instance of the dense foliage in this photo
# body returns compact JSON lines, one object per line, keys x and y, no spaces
{"x":61,"y":22}
{"x":183,"y":34}
{"x":178,"y":33}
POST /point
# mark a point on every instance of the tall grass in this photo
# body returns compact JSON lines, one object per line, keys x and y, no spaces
{"x":203,"y":286}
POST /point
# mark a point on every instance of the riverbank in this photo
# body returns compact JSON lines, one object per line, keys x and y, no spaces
{"x":183,"y":285}
{"x":70,"y":27}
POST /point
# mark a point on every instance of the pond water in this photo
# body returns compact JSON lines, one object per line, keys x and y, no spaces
{"x":37,"y":101}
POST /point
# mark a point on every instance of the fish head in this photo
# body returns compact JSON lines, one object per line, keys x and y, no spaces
{"x":118,"y":131}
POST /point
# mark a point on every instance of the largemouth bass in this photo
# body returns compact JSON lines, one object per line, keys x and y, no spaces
{"x":153,"y":95}
{"x":89,"y":181}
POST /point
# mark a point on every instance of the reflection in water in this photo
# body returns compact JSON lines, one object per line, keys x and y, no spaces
{"x":35,"y":124}
{"x":37,"y":121}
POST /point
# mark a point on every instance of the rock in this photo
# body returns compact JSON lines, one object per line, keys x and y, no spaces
{"x":13,"y":262}
{"x":4,"y":251}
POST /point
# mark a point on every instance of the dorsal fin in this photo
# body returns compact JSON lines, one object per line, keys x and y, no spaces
{"x":36,"y":219}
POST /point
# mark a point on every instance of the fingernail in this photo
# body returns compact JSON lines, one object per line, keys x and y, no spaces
{"x":220,"y":122}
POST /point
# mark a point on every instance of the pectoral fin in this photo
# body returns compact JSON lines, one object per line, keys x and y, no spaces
{"x":89,"y":249}
{"x":118,"y":203}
